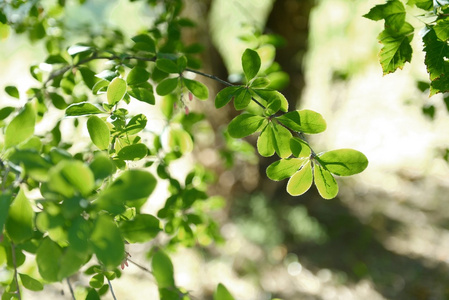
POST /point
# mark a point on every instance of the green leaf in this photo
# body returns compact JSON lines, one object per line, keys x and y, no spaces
{"x":246,"y":124}
{"x":35,"y":166}
{"x":167,"y":65}
{"x":265,"y":142}
{"x":343,"y":162}
{"x":19,"y":223}
{"x":250,"y":63}
{"x":56,"y":59}
{"x":180,"y":140}
{"x":107,"y":242}
{"x":162,"y":270}
{"x":12,"y":91}
{"x":396,"y":50}
{"x":284,"y":168}
{"x":133,"y":152}
{"x":97,"y":281}
{"x":222,"y":293}
{"x":282,"y":138}
{"x":144,"y":43}
{"x":143,"y":94}
{"x":301,"y":181}
{"x":167,"y":86}
{"x":47,"y":257}
{"x":21,"y":127}
{"x":393,"y":12}
{"x":82,"y":109}
{"x":116,"y":90}
{"x":98,"y":132}
{"x":79,"y":234}
{"x":131,"y":185}
{"x":136,"y":124}
{"x":6,"y":111}
{"x":58,"y":101}
{"x":100,"y":87}
{"x":5,"y":201}
{"x":242,"y":98}
{"x":225,"y":95}
{"x":270,"y":96}
{"x":325,"y":182}
{"x":423,"y":4}
{"x":137,"y":75}
{"x":88,"y":77}
{"x":442,"y":29}
{"x":273,"y":107}
{"x":307,"y":121}
{"x":260,"y":83}
{"x":300,"y":148}
{"x":69,"y":176}
{"x":141,"y":229}
{"x":198,"y":89}
{"x":30,"y":283}
{"x":436,"y":63}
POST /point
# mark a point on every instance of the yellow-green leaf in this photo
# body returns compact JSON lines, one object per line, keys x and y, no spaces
{"x":301,"y":181}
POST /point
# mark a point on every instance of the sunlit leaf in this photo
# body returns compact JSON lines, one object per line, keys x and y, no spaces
{"x":19,"y":223}
{"x":197,"y":88}
{"x":70,"y":176}
{"x":343,"y":162}
{"x":136,"y":124}
{"x":141,"y":229}
{"x":299,"y":147}
{"x":82,"y":109}
{"x":270,"y":95}
{"x":47,"y":258}
{"x":6,"y":111}
{"x":396,"y":50}
{"x":265,"y":142}
{"x":137,"y":75}
{"x":143,"y":94}
{"x":325,"y":182}
{"x":107,"y":242}
{"x":393,"y":12}
{"x":242,"y":98}
{"x":250,"y":63}
{"x":12,"y":91}
{"x":222,"y":293}
{"x":21,"y":127}
{"x":282,"y":138}
{"x":58,"y":101}
{"x":284,"y":168}
{"x":180,"y":140}
{"x":246,"y":124}
{"x":30,"y":283}
{"x":163,"y":270}
{"x":225,"y":95}
{"x":98,"y":132}
{"x":166,"y":86}
{"x":133,"y":152}
{"x":307,"y":121}
{"x":167,"y":65}
{"x":116,"y":90}
{"x":301,"y":181}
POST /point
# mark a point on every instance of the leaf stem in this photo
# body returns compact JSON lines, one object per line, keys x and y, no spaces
{"x":110,"y":287}
{"x":14,"y":262}
{"x":70,"y":288}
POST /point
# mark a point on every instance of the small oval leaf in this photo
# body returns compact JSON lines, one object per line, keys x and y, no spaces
{"x":137,"y":75}
{"x":21,"y":127}
{"x":250,"y":63}
{"x":246,"y":124}
{"x":116,"y":90}
{"x":99,"y":132}
{"x":198,"y":89}
{"x":301,"y":181}
{"x":307,"y":121}
{"x":82,"y":109}
{"x":284,"y":168}
{"x":343,"y":162}
{"x":166,"y":86}
{"x":325,"y":182}
{"x":225,"y":95}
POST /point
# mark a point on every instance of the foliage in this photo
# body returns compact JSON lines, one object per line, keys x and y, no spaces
{"x":90,"y":201}
{"x":398,"y":34}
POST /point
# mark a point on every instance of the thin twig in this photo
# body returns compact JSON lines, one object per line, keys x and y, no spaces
{"x":16,"y":280}
{"x":140,"y":266}
{"x":71,"y":289}
{"x":110,"y":287}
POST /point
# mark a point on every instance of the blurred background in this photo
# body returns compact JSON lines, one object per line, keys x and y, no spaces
{"x":384,"y":237}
